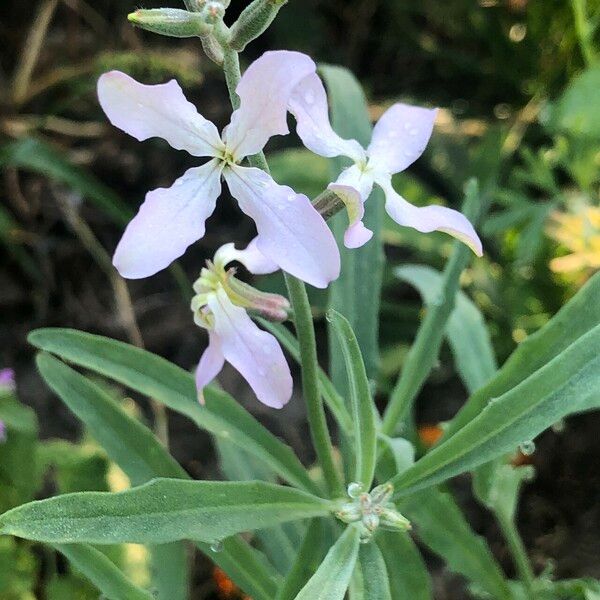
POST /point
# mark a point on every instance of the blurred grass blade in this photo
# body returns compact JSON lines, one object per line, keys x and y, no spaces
{"x":357,"y":292}
{"x":332,"y":578}
{"x":363,"y":408}
{"x":332,"y":399}
{"x":34,"y":155}
{"x":574,"y":319}
{"x":374,"y":573}
{"x":163,"y":381}
{"x":162,"y":511}
{"x":98,"y":568}
{"x":407,"y":572}
{"x":309,"y":556}
{"x":442,"y":526}
{"x":9,"y":237}
{"x":568,"y":384}
{"x":466,"y":332}
{"x":169,"y":566}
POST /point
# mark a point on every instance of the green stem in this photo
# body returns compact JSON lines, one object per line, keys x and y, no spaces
{"x":424,"y":352}
{"x":302,"y":314}
{"x":582,"y":31}
{"x":305,"y":332}
{"x":518,"y":553}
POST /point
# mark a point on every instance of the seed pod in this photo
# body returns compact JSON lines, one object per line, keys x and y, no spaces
{"x":171,"y":22}
{"x":253,"y":21}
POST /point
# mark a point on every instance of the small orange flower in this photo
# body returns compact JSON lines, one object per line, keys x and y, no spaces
{"x":226,"y":588}
{"x":430,"y":434}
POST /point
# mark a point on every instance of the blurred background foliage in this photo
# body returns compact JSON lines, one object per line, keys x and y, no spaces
{"x":519,"y":86}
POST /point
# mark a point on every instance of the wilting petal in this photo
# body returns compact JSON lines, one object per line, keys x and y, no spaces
{"x":290,"y":231}
{"x":308,"y":103}
{"x":429,"y":218}
{"x":210,"y":364}
{"x":146,"y":111}
{"x":264,"y":92}
{"x":354,"y":187}
{"x":400,"y":137}
{"x":169,"y":220}
{"x":256,"y":354}
{"x":251,"y":258}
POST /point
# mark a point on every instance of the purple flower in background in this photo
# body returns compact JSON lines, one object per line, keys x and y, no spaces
{"x":2,"y":432}
{"x":7,"y":380}
{"x":221,"y":306}
{"x":399,"y":138}
{"x":290,"y":231}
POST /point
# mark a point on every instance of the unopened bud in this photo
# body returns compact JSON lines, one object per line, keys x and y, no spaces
{"x":253,"y":21}
{"x":390,"y":518}
{"x":172,"y":22}
{"x":212,"y":48}
{"x":213,"y":12}
{"x":271,"y":306}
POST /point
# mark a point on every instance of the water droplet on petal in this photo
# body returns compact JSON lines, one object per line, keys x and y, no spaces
{"x":355,"y":489}
{"x":217,"y":546}
{"x":527,"y":448}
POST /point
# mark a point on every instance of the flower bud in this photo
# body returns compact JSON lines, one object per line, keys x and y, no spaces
{"x":271,"y":306}
{"x":390,"y":518}
{"x":213,"y":11}
{"x":212,"y":48}
{"x":172,"y":22}
{"x":253,"y":21}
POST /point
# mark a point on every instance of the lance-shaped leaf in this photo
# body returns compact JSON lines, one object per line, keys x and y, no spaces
{"x":157,"y":378}
{"x":567,"y":384}
{"x":332,"y":578}
{"x":575,"y":318}
{"x":357,"y":292}
{"x":164,"y":510}
{"x":102,"y":573}
{"x":374,"y":573}
{"x":466,"y":332}
{"x":363,"y":409}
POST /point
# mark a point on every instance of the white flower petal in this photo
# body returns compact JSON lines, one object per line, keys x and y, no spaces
{"x":290,"y":231}
{"x":308,"y":104}
{"x":169,"y":220}
{"x":354,"y":187}
{"x":429,"y":218}
{"x":210,"y":364}
{"x":251,"y":258}
{"x":400,"y":137}
{"x":264,"y":92}
{"x":146,"y":111}
{"x":256,"y":354}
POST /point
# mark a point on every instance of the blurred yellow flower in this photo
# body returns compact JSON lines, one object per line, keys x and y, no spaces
{"x":579,"y":233}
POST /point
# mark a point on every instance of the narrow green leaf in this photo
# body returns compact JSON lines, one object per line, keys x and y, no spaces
{"x":157,"y":378}
{"x":444,"y":529}
{"x":466,"y":332}
{"x":357,"y":292}
{"x":164,"y":510}
{"x":129,"y":443}
{"x":363,"y":408}
{"x":102,"y":572}
{"x":308,"y":558}
{"x":575,"y":318}
{"x":245,"y":566}
{"x":567,"y":384}
{"x":408,"y":575}
{"x":333,"y":400}
{"x":374,"y":573}
{"x":169,"y":566}
{"x":332,"y":578}
{"x":34,"y":155}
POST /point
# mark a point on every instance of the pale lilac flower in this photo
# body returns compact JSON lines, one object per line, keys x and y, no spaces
{"x":220,"y":306}
{"x":290,"y":231}
{"x":7,"y":380}
{"x":2,"y":432}
{"x":399,"y":138}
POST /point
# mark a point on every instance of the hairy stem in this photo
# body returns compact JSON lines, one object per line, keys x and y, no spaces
{"x":303,"y":321}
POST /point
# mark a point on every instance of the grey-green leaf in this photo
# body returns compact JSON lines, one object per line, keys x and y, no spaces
{"x":374,"y":573}
{"x":164,"y":510}
{"x":363,"y":407}
{"x":163,"y":381}
{"x":98,"y":568}
{"x":357,"y":292}
{"x":332,"y":578}
{"x":567,"y":384}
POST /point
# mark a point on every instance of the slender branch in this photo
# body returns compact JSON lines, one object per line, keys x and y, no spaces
{"x":518,"y":552}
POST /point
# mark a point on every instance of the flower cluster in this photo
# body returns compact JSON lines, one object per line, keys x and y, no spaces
{"x":292,"y":235}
